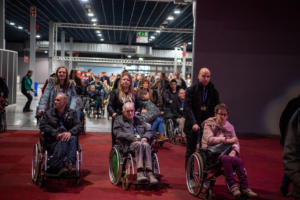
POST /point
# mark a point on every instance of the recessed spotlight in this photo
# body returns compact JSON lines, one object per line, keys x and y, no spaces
{"x":90,"y":14}
{"x":84,"y":1}
{"x":46,"y":52}
{"x":152,"y":37}
{"x":20,"y":27}
{"x":129,"y":56}
{"x":101,"y":39}
{"x":38,"y":36}
{"x":99,"y":34}
{"x":189,"y":43}
{"x":93,"y":19}
{"x":170,"y":18}
{"x":157,"y":31}
{"x":177,"y":12}
{"x":12,"y":23}
{"x":94,"y":24}
{"x":98,"y":31}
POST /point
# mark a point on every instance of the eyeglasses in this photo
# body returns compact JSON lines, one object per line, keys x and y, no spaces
{"x":223,"y":114}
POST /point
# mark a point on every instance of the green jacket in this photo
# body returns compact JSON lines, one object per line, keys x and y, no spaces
{"x":28,"y":83}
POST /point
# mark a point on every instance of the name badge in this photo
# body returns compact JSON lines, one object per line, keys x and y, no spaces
{"x":203,"y":108}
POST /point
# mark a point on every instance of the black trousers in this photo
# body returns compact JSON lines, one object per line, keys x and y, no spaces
{"x":192,"y":138}
{"x":29,"y":99}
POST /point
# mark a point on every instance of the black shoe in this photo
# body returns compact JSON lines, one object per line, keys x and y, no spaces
{"x":284,"y":191}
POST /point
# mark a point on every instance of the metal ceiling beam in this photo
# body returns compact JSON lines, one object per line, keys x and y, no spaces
{"x":119,"y":61}
{"x":122,"y":28}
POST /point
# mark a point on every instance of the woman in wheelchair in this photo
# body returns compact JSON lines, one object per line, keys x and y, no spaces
{"x":218,"y":130}
{"x":60,"y":127}
{"x":137,"y":135}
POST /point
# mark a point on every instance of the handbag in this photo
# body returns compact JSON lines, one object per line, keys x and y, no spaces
{"x":219,"y":149}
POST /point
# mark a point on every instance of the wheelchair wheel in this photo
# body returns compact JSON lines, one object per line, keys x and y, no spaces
{"x":194,"y":174}
{"x":78,"y":161}
{"x":208,"y":194}
{"x":115,"y":167}
{"x":155,"y":165}
{"x":36,"y":163}
{"x":170,"y":130}
{"x":128,"y":173}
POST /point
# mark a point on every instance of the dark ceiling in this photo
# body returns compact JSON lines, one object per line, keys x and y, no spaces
{"x":141,"y":13}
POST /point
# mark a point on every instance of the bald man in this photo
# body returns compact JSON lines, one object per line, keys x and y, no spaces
{"x":60,"y":128}
{"x":200,"y":101}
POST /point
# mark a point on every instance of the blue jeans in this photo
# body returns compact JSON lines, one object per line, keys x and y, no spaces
{"x":69,"y":149}
{"x":158,"y":123}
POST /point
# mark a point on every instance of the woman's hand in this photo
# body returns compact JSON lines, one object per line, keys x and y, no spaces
{"x":232,"y":153}
{"x":114,"y":115}
{"x":231,"y":140}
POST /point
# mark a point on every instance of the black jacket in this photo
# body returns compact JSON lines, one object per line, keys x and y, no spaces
{"x":169,"y":108}
{"x":286,"y":115}
{"x":50,"y":125}
{"x":196,"y":107}
{"x":3,"y":88}
{"x":115,"y":105}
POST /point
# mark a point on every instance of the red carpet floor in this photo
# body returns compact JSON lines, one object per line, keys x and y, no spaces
{"x":262,"y":158}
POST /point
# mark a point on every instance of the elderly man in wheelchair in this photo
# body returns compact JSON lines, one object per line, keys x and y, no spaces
{"x":59,"y":130}
{"x":220,"y":154}
{"x":134,"y":135}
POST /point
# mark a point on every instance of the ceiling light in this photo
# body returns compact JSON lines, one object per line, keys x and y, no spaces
{"x":101,"y":39}
{"x":90,"y":14}
{"x":94,"y":24}
{"x":152,"y":37}
{"x":98,"y":31}
{"x":157,"y":31}
{"x":38,"y":36}
{"x":12,"y":23}
{"x":93,"y":19}
{"x":84,"y":1}
{"x":170,"y":18}
{"x":177,"y":12}
{"x":189,"y":43}
{"x":129,"y":56}
{"x":20,"y":27}
{"x":99,"y":34}
{"x":45,"y":51}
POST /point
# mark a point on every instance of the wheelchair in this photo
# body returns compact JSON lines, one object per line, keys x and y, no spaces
{"x":40,"y":169}
{"x":173,"y":131}
{"x":122,"y":166}
{"x":202,"y":170}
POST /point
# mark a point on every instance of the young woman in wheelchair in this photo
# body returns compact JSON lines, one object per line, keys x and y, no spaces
{"x":137,"y":135}
{"x":218,"y":130}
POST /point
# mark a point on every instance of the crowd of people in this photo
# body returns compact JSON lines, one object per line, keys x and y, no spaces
{"x":139,"y":106}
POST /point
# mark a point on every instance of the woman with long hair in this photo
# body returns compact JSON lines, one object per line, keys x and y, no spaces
{"x":59,"y":84}
{"x":124,"y":93}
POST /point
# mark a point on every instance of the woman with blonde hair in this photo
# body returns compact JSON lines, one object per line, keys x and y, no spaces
{"x":118,"y":97}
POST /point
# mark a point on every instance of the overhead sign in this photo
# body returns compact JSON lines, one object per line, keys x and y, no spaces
{"x":33,"y":11}
{"x":142,"y":37}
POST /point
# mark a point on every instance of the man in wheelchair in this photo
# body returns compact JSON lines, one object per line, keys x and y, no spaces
{"x":133,"y":132}
{"x":60,"y":127}
{"x":218,"y":130}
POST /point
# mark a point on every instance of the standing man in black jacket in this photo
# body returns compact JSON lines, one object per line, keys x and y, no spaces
{"x":199,"y":105}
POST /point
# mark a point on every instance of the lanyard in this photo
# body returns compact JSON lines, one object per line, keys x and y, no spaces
{"x":205,"y":95}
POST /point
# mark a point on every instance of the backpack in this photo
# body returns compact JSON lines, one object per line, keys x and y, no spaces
{"x":23,"y":88}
